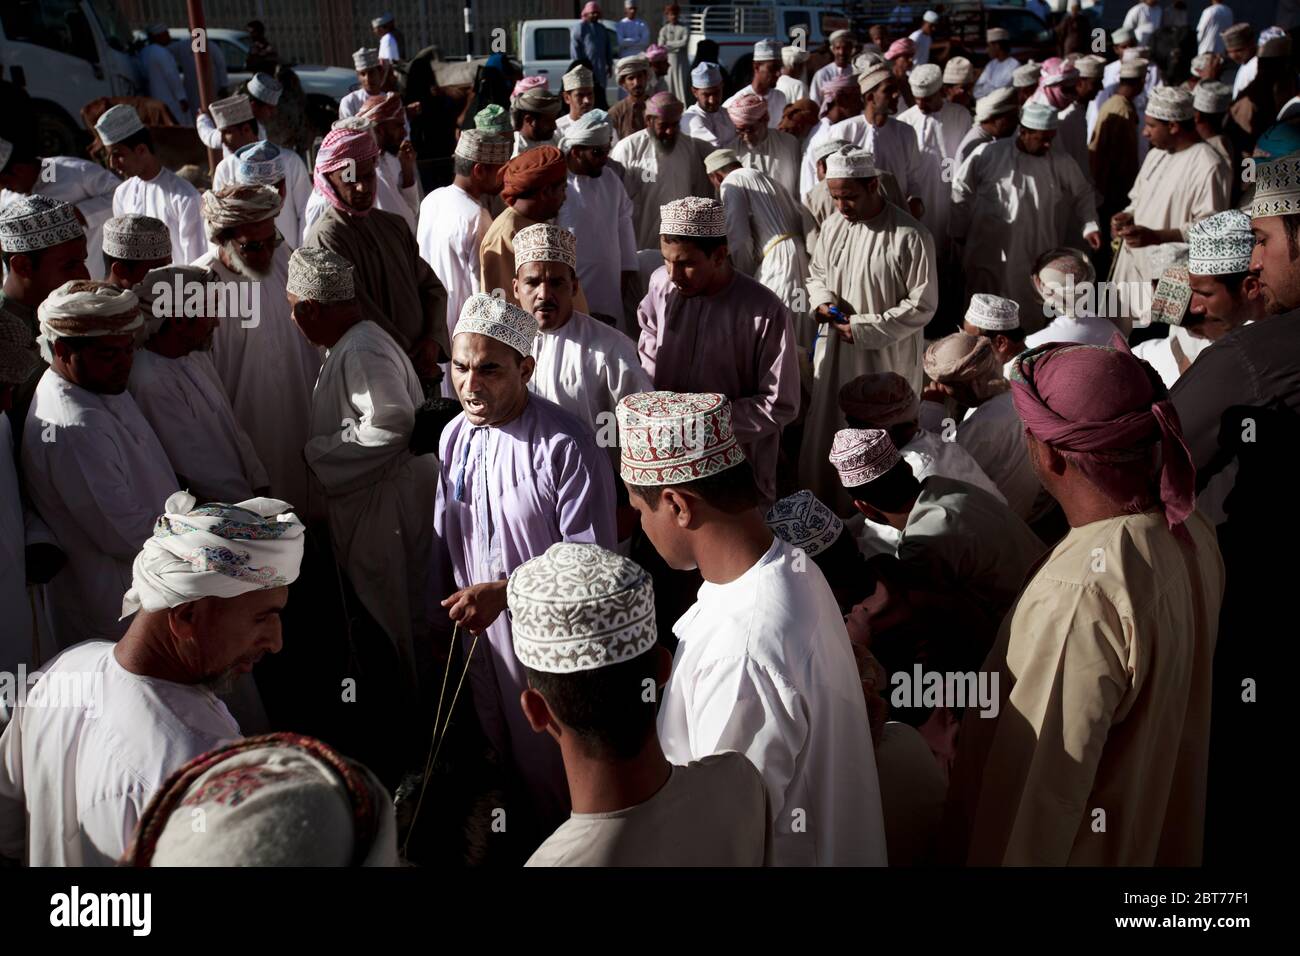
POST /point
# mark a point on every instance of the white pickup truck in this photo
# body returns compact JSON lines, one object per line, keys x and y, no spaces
{"x":735,"y":28}
{"x":546,"y":49}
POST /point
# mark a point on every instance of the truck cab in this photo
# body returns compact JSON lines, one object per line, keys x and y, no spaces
{"x":546,"y":49}
{"x":66,"y":53}
{"x":735,"y":28}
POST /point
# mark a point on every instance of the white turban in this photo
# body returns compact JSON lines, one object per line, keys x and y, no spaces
{"x":237,"y":205}
{"x":217,"y":550}
{"x":83,"y":308}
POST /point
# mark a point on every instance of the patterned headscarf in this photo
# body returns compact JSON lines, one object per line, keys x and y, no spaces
{"x":969,"y":360}
{"x":237,"y":205}
{"x":748,"y":110}
{"x":217,"y":550}
{"x":83,"y":308}
{"x":343,"y":146}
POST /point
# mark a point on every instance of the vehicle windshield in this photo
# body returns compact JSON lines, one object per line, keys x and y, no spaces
{"x":117,"y":33}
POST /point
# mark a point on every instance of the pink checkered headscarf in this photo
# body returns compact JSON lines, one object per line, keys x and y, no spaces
{"x":748,"y":109}
{"x":1056,"y":73}
{"x":341,"y":147}
{"x":834,"y":88}
{"x":526,"y":84}
{"x":903,"y":47}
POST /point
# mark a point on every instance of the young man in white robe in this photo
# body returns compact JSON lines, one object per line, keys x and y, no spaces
{"x":96,"y":472}
{"x":997,"y":116}
{"x":149,"y":188}
{"x":598,"y":212}
{"x":873,"y":287}
{"x":765,"y":148}
{"x":377,"y":493}
{"x":967,"y":369}
{"x":76,"y":778}
{"x":267,"y":368}
{"x":1182,"y":179}
{"x":1012,"y":200}
{"x":842,"y":99}
{"x":763,"y":664}
{"x":577,"y":90}
{"x":263,"y":94}
{"x":659,"y":166}
{"x":177,"y":389}
{"x":764,"y":233}
{"x":997,"y":72}
{"x":705,"y":119}
{"x":892,"y":144}
{"x":399,"y":188}
{"x":453,"y":220}
{"x":583,"y":365}
{"x":584,"y":630}
{"x":86,"y":185}
{"x":940,"y":127}
{"x":840,"y":67}
{"x":767,"y":68}
{"x":791,"y":82}
{"x":518,"y":474}
{"x":371,"y":74}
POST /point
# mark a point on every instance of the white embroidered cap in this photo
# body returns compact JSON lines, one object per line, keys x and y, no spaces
{"x":543,"y":242}
{"x":766,"y":50}
{"x":861,"y":455}
{"x":1277,"y":188}
{"x":265,"y":88}
{"x":579,"y":608}
{"x":579,"y":78}
{"x":137,"y":238}
{"x":1039,"y":116}
{"x":1221,"y":244}
{"x":672,"y":438}
{"x":366,"y":58}
{"x":500,"y":320}
{"x":231,"y":111}
{"x":1211,"y":96}
{"x":993,"y":312}
{"x":925,"y":80}
{"x":693,"y":216}
{"x":1170,"y":104}
{"x":320,"y":275}
{"x":851,"y":163}
{"x":118,"y":123}
{"x":480,"y":147}
{"x":35,"y":222}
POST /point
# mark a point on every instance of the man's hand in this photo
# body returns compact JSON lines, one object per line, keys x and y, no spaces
{"x":426,"y":353}
{"x":413,"y":109}
{"x":43,"y":561}
{"x":1135,"y":236}
{"x":477,"y":607}
{"x":823,"y":312}
{"x":843,"y":330}
{"x":1119,"y":222}
{"x":1093,"y":239}
{"x":406,"y":157}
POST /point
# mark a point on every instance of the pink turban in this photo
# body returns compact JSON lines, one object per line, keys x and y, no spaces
{"x":747,"y":110}
{"x":341,"y":147}
{"x":656,"y":53}
{"x":591,"y":7}
{"x":1107,"y":412}
{"x":903,"y":47}
{"x":382,"y":107}
{"x":834,"y":88}
{"x":664,"y":105}
{"x":528,"y":83}
{"x":1055,"y":74}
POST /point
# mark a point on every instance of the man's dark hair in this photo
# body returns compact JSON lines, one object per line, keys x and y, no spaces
{"x":1187,"y":126}
{"x":894,"y":491}
{"x":732,"y":491}
{"x":1291,"y":226}
{"x":606,"y":708}
{"x":142,"y":138}
{"x":1213,"y":120}
{"x":1015,"y":335}
{"x":462,"y":166}
{"x":249,"y":124}
{"x":33,"y":255}
{"x":517,"y":119}
{"x":844,"y":567}
{"x":705,"y":244}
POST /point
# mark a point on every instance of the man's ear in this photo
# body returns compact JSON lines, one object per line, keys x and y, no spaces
{"x":1250,"y":288}
{"x":869,"y":512}
{"x":183,"y":620}
{"x":682,"y":506}
{"x":514,"y":285}
{"x":536,"y":711}
{"x":527,"y":367}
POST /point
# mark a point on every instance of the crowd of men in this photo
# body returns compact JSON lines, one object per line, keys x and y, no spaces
{"x":772,"y":472}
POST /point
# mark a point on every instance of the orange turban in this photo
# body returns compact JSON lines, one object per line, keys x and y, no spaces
{"x":533,"y":170}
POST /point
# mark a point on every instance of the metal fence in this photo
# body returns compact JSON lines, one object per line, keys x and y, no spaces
{"x":327,"y":31}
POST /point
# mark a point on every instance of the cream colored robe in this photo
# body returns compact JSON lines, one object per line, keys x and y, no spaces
{"x":654,"y":176}
{"x":1104,"y":684}
{"x":884,"y":270}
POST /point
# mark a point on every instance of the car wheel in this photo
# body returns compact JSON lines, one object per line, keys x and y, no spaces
{"x":55,"y":134}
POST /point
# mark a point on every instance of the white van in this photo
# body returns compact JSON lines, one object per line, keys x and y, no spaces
{"x":735,"y":28}
{"x":66,"y":53}
{"x":546,"y":49}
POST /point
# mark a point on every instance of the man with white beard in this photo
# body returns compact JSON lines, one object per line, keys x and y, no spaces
{"x":268,"y":369}
{"x":598,"y":211}
{"x":659,"y":166}
{"x":176,"y":386}
{"x":75,"y":777}
{"x":760,"y":146}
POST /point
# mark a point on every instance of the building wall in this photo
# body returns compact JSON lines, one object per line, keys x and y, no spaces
{"x":327,"y":31}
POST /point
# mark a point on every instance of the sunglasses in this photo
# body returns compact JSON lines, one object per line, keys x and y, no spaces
{"x":255,"y":246}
